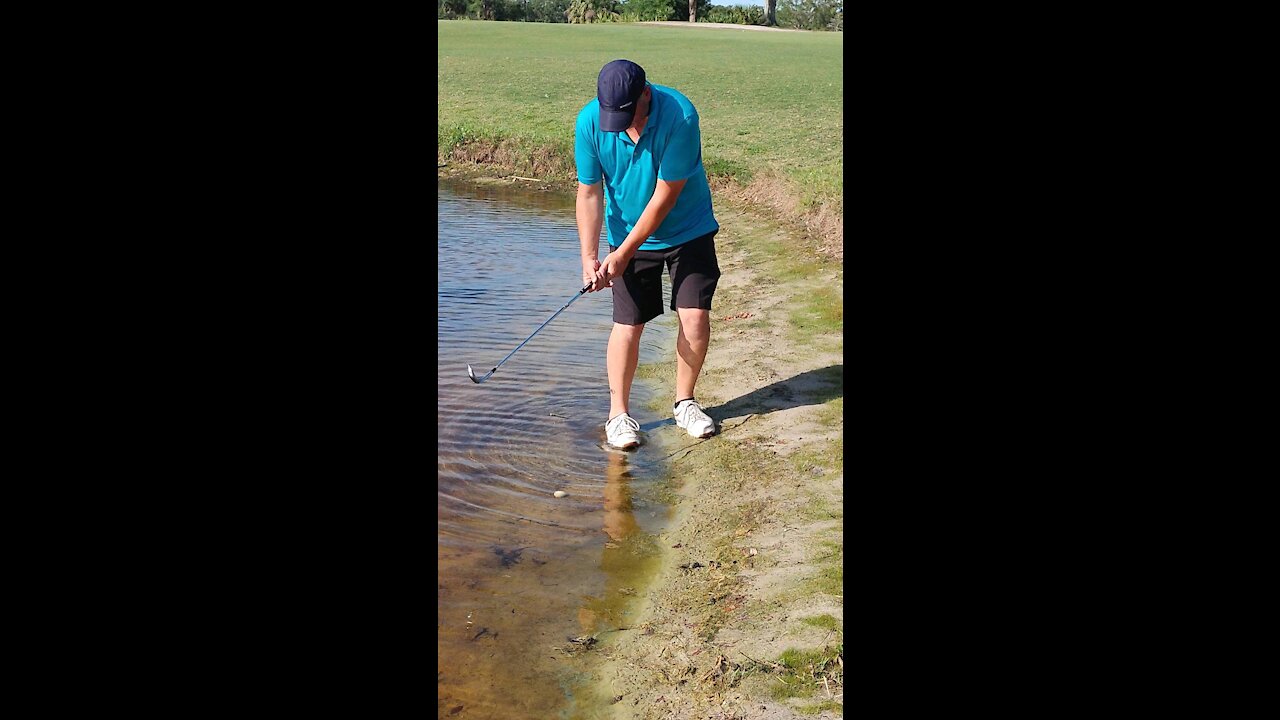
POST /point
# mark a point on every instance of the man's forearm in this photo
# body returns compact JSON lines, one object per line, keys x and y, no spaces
{"x":664,"y":198}
{"x":590,"y":216}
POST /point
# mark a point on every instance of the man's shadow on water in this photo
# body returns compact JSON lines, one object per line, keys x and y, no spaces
{"x":812,"y":387}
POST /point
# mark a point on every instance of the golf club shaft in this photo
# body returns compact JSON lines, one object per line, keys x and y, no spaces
{"x":544,"y":324}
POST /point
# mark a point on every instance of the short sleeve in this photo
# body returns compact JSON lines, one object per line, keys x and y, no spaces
{"x":584,"y":153}
{"x":683,"y":153}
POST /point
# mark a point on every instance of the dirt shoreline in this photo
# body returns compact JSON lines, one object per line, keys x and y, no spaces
{"x":745,"y":619}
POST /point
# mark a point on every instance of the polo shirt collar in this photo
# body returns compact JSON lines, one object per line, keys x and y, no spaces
{"x":653,"y":116}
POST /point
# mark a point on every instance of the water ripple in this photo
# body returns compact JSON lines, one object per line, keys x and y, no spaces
{"x":506,"y":445}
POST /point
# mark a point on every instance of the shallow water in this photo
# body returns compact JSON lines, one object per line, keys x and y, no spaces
{"x":520,"y":571}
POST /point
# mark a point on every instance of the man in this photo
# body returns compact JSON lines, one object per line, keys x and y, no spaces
{"x":639,"y":145}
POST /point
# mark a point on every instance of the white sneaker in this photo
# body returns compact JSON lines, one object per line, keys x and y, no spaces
{"x":689,"y":416}
{"x":622,"y":432}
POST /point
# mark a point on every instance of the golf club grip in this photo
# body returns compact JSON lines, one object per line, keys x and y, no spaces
{"x":585,"y":288}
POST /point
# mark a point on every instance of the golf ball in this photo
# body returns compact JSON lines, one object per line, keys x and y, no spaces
{"x":559,"y":493}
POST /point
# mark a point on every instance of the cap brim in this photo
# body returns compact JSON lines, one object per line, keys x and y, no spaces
{"x":615,"y":120}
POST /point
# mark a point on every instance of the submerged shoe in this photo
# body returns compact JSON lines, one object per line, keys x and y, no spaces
{"x":689,"y":416}
{"x":622,"y":432}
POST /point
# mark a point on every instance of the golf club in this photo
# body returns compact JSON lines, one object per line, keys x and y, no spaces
{"x":472,"y":374}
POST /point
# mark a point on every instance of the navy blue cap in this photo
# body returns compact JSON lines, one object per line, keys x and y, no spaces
{"x":618,"y":90}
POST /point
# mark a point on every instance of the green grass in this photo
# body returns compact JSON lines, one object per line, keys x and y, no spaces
{"x":819,"y":509}
{"x":767,"y":101}
{"x":802,"y":671}
{"x":828,"y":558}
{"x":820,"y":313}
{"x":660,"y":370}
{"x":815,"y":318}
{"x":830,"y":577}
{"x":820,"y":707}
{"x":826,"y":622}
{"x":827,"y":456}
{"x":831,"y":415}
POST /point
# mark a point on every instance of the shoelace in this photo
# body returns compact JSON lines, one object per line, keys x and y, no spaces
{"x":685,"y":411}
{"x":626,"y":420}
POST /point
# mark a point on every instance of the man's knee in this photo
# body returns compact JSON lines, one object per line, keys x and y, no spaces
{"x":629,"y":332}
{"x":695,"y":324}
{"x":694,"y":317}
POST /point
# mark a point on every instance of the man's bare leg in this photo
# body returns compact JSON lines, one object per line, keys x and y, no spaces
{"x":691,"y":348}
{"x":621,"y":359}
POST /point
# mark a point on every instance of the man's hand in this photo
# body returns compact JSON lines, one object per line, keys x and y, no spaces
{"x":612,"y":267}
{"x":589,"y":267}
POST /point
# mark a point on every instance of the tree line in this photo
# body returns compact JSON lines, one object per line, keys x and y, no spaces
{"x":796,"y":14}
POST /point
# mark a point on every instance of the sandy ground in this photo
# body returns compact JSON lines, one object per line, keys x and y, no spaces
{"x":730,"y":26}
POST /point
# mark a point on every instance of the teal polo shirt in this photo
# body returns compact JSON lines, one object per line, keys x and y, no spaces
{"x":670,"y":148}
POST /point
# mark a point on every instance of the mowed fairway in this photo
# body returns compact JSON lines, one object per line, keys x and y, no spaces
{"x":768,"y":101}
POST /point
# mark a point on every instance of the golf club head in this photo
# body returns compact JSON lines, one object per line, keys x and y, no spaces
{"x":472,"y":374}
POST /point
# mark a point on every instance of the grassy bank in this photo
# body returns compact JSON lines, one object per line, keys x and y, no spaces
{"x":771,"y":104}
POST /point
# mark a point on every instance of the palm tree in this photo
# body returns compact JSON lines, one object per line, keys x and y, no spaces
{"x":693,"y":10}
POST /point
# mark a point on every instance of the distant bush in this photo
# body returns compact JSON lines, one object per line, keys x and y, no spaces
{"x":592,"y":11}
{"x":736,"y":14}
{"x":552,"y":11}
{"x":450,"y":9}
{"x":481,"y":9}
{"x":811,"y":14}
{"x":649,"y":10}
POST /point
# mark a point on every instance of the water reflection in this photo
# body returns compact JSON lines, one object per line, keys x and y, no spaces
{"x":510,"y":654}
{"x":623,"y":556}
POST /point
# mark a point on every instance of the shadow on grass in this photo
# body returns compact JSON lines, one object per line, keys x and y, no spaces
{"x":812,"y":387}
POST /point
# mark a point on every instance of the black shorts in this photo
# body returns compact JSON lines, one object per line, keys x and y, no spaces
{"x":637,"y":295}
